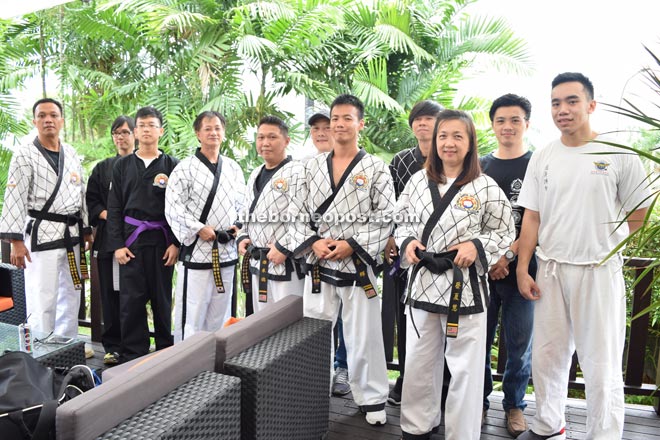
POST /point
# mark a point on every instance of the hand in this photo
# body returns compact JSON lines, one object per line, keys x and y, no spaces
{"x":242,"y":246}
{"x":123,"y":255}
{"x":390,"y":250}
{"x":274,"y":255}
{"x":207,"y":233}
{"x":19,"y":254}
{"x":410,"y":251}
{"x":103,"y":215}
{"x":170,"y":255}
{"x":339,"y":249}
{"x":500,"y":270}
{"x":467,"y":253}
{"x":321,"y":249}
{"x":89,"y":240}
{"x":528,"y":287}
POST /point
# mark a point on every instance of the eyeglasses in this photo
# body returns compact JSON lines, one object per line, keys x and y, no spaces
{"x":149,"y":126}
{"x":121,"y":133}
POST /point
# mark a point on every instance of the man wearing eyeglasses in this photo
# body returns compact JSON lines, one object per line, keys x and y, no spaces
{"x":45,"y":218}
{"x":142,"y":241}
{"x":97,"y":206}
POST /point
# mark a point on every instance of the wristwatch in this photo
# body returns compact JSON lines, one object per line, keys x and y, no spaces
{"x":509,"y":255}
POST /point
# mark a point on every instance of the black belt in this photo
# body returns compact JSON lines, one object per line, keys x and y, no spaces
{"x":361,"y":276}
{"x":257,"y":253}
{"x":438,"y":263}
{"x":221,"y":237}
{"x":69,"y":220}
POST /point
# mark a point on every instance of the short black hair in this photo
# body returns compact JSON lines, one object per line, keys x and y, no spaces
{"x":121,"y":120}
{"x":347,"y":99}
{"x":511,"y":100}
{"x":575,"y":77}
{"x":197,"y":125}
{"x":149,"y":112}
{"x":45,"y":101}
{"x":274,"y":120}
{"x":424,"y":108}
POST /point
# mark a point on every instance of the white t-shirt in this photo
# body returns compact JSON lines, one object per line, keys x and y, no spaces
{"x":581,"y":195}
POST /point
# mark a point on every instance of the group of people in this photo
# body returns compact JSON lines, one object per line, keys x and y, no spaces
{"x":459,"y":236}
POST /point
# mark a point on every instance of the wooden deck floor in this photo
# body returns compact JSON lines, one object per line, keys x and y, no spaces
{"x":347,"y":423}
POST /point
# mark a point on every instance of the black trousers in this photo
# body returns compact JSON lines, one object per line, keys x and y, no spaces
{"x":145,"y":279}
{"x":111,"y":337}
{"x":392,"y":315}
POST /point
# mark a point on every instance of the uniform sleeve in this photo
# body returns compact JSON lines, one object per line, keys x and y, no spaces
{"x":184,"y":225}
{"x":529,"y":194}
{"x":498,"y":230}
{"x":115,"y":221}
{"x":633,"y":184}
{"x":19,"y":183}
{"x":371,"y":237}
{"x":93,"y":196}
{"x":84,"y":212}
{"x":302,"y":234}
{"x":244,"y":213}
{"x":406,"y":227}
{"x":240,"y":202}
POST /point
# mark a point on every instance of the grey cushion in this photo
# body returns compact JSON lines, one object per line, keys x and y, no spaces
{"x":255,"y":328}
{"x":119,"y":370}
{"x":102,"y":408}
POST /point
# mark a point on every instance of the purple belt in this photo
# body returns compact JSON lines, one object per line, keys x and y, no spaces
{"x":144,"y":225}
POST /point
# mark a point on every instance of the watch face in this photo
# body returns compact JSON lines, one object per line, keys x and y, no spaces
{"x":509,"y":255}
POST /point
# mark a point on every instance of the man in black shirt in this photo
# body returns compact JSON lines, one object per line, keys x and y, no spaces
{"x":509,"y":115}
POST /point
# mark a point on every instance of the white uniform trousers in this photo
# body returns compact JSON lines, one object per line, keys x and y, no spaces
{"x":276,"y":290}
{"x":363,"y":335}
{"x":584,"y":308}
{"x":422,"y":384}
{"x":51,"y":301}
{"x":206,"y":309}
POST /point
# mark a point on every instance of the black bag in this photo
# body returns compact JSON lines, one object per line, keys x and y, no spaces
{"x":30,"y":393}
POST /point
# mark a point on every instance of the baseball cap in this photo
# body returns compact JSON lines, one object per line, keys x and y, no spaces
{"x":316,"y":116}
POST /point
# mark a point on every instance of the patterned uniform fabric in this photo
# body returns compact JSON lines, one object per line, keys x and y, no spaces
{"x":480,"y":211}
{"x":361,"y":213}
{"x":404,"y":164}
{"x":187,"y":192}
{"x":30,"y":183}
{"x":269,"y":221}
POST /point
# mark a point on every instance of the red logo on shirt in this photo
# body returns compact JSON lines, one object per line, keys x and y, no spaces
{"x":161,"y":180}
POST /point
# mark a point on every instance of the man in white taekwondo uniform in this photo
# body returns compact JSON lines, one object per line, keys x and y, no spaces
{"x":576,"y":194}
{"x":45,"y":219}
{"x":265,"y":240}
{"x":345,"y":217}
{"x":204,"y":197}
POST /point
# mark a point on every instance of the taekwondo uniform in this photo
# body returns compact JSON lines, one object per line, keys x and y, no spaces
{"x":136,"y":219}
{"x":360,"y":213}
{"x":480,"y":212}
{"x":201,"y":193}
{"x":98,"y":186}
{"x":44,"y":206}
{"x":265,"y":221}
{"x":581,"y":195}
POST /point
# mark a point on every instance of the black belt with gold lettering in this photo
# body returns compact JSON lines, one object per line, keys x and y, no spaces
{"x":438,"y":263}
{"x":221,"y":237}
{"x":256,"y":253}
{"x":69,"y":220}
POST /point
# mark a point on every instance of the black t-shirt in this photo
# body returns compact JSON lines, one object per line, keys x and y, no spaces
{"x":264,"y":177}
{"x":55,"y":157}
{"x":509,"y":175}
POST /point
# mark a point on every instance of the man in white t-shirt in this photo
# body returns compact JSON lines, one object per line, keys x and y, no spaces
{"x":577,"y":194}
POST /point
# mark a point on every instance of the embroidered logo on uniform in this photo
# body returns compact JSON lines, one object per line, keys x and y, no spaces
{"x":360,"y":181}
{"x":601,"y":167}
{"x":160,"y":180}
{"x":281,"y":185}
{"x":74,"y":178}
{"x":468,"y":202}
{"x":11,"y":183}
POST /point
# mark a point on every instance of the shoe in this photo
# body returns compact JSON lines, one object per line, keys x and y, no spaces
{"x":111,"y":358}
{"x":89,"y":351}
{"x":394,"y":397}
{"x":515,"y":422}
{"x":531,"y":435}
{"x":376,"y":418}
{"x":340,"y":385}
{"x":484,"y":416}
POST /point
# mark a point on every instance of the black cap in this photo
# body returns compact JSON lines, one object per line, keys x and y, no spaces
{"x":316,"y":116}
